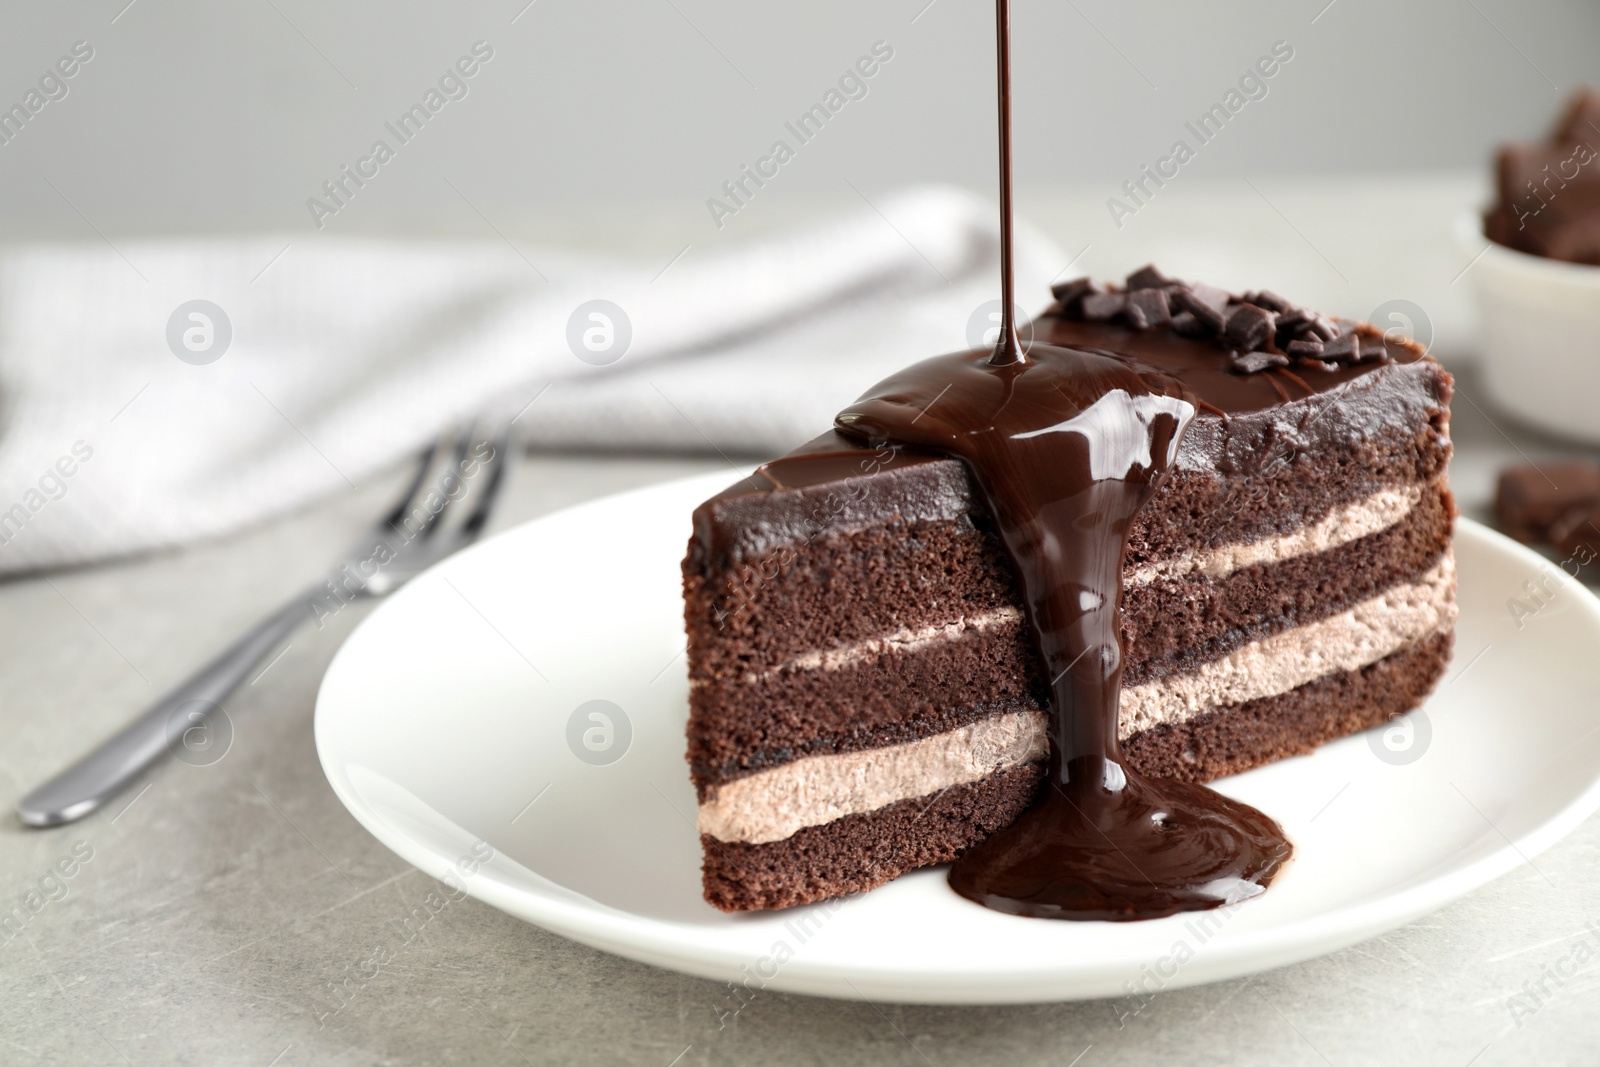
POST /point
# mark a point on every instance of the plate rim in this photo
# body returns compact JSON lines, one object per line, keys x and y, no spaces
{"x":664,"y":944}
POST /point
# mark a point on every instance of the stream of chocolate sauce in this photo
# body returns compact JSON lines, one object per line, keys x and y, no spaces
{"x":1066,"y":445}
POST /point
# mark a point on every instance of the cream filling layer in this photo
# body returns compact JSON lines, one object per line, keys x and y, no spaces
{"x":904,"y":640}
{"x":1351,"y":522}
{"x":773,"y":804}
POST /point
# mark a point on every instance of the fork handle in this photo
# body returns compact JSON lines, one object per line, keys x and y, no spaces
{"x":106,"y":771}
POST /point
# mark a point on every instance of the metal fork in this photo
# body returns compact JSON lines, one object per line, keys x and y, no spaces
{"x":408,"y":538}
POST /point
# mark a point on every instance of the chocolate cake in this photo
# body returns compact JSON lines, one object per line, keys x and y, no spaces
{"x":1024,"y":600}
{"x":865,"y":696}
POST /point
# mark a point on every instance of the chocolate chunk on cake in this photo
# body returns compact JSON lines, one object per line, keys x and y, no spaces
{"x":865,"y":696}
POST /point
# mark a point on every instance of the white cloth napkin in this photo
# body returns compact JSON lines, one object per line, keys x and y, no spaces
{"x":347,"y":355}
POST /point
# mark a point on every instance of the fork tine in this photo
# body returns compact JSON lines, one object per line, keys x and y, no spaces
{"x":489,"y":488}
{"x":397,"y":513}
{"x":430,"y":520}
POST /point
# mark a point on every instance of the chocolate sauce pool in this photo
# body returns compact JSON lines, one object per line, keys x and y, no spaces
{"x":1066,"y":445}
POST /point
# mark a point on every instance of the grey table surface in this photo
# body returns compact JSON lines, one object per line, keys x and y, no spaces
{"x":210,"y":908}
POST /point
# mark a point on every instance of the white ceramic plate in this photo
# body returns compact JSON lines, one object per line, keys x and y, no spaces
{"x":444,"y":726}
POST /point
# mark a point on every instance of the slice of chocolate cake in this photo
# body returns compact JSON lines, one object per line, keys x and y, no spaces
{"x":865,"y":698}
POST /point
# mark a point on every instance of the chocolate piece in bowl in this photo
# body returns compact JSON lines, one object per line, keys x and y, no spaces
{"x":1548,"y":192}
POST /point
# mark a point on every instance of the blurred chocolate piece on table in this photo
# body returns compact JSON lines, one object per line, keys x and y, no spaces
{"x":1531,"y":500}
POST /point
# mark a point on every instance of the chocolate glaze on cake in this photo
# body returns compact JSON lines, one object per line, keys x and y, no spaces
{"x":1067,"y":444}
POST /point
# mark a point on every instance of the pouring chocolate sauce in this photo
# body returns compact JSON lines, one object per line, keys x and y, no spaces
{"x":1066,"y":445}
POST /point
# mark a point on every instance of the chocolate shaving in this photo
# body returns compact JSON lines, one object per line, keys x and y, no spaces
{"x":1211,"y":296}
{"x":1269,"y":300}
{"x":1102,"y":307}
{"x":1147,"y":308}
{"x":1255,"y":362}
{"x":1292,"y":320}
{"x":1261,"y":330}
{"x":1345,"y":349}
{"x":1206,"y":315}
{"x":1371,"y":349}
{"x":1186,"y":325}
{"x":1249,"y":327}
{"x":1318,"y":328}
{"x":1148,"y":277}
{"x":1071,"y":293}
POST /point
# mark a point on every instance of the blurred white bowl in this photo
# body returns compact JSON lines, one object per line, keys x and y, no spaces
{"x":1539,"y":335}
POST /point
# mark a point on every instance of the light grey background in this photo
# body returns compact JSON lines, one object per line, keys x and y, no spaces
{"x":202,"y":117}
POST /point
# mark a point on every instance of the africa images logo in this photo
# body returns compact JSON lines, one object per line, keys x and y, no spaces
{"x":199,"y":332}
